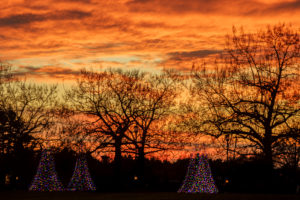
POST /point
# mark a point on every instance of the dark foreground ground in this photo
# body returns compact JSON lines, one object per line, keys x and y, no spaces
{"x":140,"y":196}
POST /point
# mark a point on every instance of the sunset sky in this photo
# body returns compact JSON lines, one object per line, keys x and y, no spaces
{"x":53,"y":39}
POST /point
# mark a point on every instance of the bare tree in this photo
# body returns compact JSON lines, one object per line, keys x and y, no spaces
{"x":28,"y":110}
{"x":154,"y":101}
{"x":252,"y":93}
{"x":107,"y":98}
{"x":126,"y":109}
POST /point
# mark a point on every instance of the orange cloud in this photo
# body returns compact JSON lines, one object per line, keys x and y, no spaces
{"x":72,"y":34}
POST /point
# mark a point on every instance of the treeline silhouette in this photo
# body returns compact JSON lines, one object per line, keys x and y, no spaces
{"x":239,"y":175}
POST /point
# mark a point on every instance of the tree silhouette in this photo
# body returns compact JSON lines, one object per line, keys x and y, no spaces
{"x":116,"y":101}
{"x":26,"y":110}
{"x":154,"y":101}
{"x":107,"y":98}
{"x":252,"y":92}
{"x":11,"y":135}
{"x":31,"y":105}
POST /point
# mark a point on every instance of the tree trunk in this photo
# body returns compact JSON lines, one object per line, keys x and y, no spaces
{"x":118,"y":162}
{"x":141,"y":165}
{"x":268,"y":155}
{"x":268,"y":162}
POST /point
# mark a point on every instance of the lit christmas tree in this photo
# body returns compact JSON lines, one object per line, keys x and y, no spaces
{"x":81,"y":179}
{"x":46,"y":177}
{"x":198,"y":178}
{"x":189,"y":177}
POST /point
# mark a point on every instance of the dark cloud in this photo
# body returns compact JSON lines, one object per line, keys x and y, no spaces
{"x":226,"y":7}
{"x":77,"y":1}
{"x":179,"y":56}
{"x":20,"y":19}
{"x":3,"y":37}
{"x":23,"y":19}
{"x":29,"y":68}
{"x":50,"y":71}
{"x":285,"y":6}
{"x":105,"y":46}
{"x":40,"y":4}
{"x":150,"y":25}
{"x":187,"y":6}
{"x":69,"y":14}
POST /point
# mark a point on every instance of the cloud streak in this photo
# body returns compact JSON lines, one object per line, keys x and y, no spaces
{"x":192,"y":54}
{"x":27,"y":18}
{"x":47,"y":72}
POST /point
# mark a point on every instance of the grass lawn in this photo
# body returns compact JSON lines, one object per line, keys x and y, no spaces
{"x":17,"y":195}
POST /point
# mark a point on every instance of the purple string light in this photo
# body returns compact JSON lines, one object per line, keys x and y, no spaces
{"x":81,"y":179}
{"x":46,"y":178}
{"x":198,"y":178}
